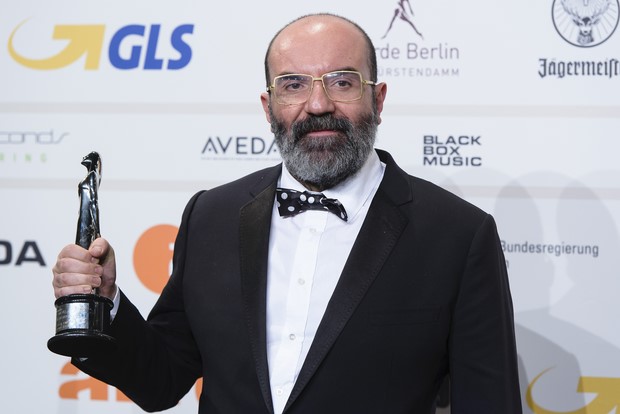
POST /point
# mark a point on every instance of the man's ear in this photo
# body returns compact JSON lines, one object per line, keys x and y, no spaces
{"x":265,"y":100}
{"x":380,"y":92}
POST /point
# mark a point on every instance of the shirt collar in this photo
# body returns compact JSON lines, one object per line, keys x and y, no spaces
{"x":354,"y":192}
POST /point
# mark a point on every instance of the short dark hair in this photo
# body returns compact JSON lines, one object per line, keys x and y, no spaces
{"x":372,"y":56}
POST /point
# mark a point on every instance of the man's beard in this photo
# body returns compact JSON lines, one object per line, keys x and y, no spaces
{"x":325,"y":161}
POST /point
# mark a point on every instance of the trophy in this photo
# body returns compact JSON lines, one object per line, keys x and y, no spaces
{"x":82,"y":319}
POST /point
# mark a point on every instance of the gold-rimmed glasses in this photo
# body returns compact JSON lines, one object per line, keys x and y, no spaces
{"x":339,"y":86}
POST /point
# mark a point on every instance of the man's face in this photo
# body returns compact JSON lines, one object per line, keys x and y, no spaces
{"x":323,"y":162}
{"x":323,"y":142}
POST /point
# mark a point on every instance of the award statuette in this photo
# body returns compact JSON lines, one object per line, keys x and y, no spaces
{"x":81,"y":319}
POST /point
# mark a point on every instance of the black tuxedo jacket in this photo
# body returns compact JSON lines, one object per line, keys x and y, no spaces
{"x":424,"y":293}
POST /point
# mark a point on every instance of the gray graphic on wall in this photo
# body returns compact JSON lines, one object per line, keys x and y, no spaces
{"x":585,"y":23}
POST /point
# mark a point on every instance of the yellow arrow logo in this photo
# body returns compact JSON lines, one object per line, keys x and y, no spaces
{"x":607,"y":398}
{"x":83,"y":39}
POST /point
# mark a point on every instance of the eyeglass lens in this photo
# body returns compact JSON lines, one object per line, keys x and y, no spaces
{"x":339,"y":86}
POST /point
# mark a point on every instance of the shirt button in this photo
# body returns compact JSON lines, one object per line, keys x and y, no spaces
{"x":301,"y":281}
{"x":292,"y":337}
{"x":279,"y":391}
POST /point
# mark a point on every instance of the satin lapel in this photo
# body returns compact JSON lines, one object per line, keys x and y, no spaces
{"x":379,"y":234}
{"x":254,"y":225}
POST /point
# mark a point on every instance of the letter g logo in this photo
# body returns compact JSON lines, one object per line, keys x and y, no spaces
{"x":83,"y":39}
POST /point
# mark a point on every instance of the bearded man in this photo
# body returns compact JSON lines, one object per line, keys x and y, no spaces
{"x":331,"y":283}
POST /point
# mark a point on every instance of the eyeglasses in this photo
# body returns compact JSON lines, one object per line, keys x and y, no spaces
{"x":340,"y":86}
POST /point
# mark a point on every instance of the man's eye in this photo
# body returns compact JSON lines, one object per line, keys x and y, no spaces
{"x":294,"y":86}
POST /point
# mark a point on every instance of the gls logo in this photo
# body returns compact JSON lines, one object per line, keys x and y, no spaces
{"x":88,"y":40}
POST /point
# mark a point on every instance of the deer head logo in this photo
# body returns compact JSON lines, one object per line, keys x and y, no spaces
{"x":585,"y":23}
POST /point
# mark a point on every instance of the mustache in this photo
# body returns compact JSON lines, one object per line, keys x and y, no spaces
{"x":318,"y":123}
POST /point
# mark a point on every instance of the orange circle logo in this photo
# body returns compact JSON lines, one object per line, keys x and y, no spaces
{"x":152,"y":256}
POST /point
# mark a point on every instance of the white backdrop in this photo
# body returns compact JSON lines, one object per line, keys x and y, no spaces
{"x":498,"y":101}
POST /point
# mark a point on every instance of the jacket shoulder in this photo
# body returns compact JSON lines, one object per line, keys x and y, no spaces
{"x":241,"y":190}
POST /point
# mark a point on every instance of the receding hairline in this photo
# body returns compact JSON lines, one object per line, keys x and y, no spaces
{"x":371,"y":55}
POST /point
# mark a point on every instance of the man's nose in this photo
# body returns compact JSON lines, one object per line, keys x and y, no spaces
{"x":318,"y":102}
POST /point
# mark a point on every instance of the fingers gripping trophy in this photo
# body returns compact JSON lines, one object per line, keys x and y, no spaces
{"x":82,"y":319}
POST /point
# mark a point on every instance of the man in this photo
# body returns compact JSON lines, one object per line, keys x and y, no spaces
{"x":362,"y":311}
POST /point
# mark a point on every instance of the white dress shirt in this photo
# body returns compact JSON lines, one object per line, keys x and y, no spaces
{"x":307,"y":253}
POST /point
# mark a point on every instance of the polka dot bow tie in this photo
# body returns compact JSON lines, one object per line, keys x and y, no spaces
{"x":292,"y":202}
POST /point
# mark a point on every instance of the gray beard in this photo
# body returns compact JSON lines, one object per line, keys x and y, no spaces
{"x":324,"y":162}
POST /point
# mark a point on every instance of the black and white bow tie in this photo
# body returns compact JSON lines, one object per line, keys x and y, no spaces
{"x":292,"y":202}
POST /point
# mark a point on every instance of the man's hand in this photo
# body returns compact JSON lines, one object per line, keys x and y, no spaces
{"x":78,"y":270}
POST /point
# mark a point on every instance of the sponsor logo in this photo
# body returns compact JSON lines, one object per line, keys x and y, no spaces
{"x":98,"y":390}
{"x":585,"y":23}
{"x":403,"y":13}
{"x":559,"y":68}
{"x":32,"y":137}
{"x":130,"y":47}
{"x":551,"y":249}
{"x":452,"y":151}
{"x":605,"y":391}
{"x":79,"y":384}
{"x":18,"y":254}
{"x":404,"y":51}
{"x":240,"y":147}
{"x":24,"y":146}
{"x":152,"y":256}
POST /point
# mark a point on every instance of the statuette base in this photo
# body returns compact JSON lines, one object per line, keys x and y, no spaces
{"x":81,"y":320}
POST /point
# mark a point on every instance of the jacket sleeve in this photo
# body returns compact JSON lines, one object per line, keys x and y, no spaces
{"x":483,"y":356}
{"x":156,"y":361}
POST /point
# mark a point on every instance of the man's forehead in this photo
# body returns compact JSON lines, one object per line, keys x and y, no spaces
{"x":318,"y":41}
{"x":316,"y":25}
